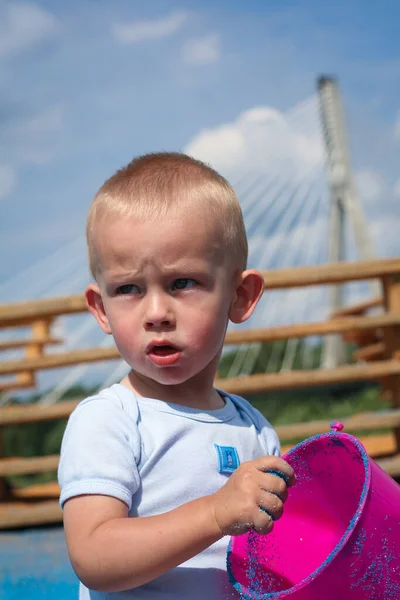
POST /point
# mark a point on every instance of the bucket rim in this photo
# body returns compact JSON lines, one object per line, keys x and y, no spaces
{"x":248,"y":594}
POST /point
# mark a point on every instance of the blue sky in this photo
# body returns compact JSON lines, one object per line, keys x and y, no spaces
{"x":86,"y":85}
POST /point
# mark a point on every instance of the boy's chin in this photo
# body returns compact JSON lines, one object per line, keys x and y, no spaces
{"x":163,"y":377}
{"x":167,"y":377}
{"x":171,"y":379}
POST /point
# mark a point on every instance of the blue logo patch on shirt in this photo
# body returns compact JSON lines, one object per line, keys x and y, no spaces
{"x":228,"y":458}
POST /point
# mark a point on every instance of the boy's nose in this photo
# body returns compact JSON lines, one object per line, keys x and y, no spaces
{"x":158,"y":312}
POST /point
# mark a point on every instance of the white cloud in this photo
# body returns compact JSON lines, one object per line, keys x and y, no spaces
{"x":282,"y":192}
{"x":259,"y":139}
{"x":202,"y":51}
{"x":22,"y":26}
{"x":263,"y":142}
{"x":139,"y":31}
{"x":370,"y":184}
{"x":7,"y":180}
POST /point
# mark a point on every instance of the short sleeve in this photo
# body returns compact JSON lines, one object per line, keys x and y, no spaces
{"x":99,"y":452}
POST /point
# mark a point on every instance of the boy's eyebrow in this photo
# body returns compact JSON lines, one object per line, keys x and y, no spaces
{"x":112,"y":273}
{"x":185,"y":264}
{"x":181,"y":266}
{"x":113,"y":276}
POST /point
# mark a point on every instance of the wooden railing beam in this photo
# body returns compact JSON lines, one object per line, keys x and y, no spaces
{"x":372,"y":352}
{"x":35,"y":413}
{"x":23,"y":313}
{"x":300,"y":330}
{"x":14,"y":344}
{"x":26,"y":466}
{"x":22,"y":381}
{"x":23,"y":514}
{"x":329,"y":273}
{"x":61,"y":359}
{"x":358,"y":309}
{"x":345,"y":324}
{"x":360,"y":422}
{"x":372,"y":371}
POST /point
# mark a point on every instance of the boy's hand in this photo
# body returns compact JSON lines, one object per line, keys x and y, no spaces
{"x":253,"y":497}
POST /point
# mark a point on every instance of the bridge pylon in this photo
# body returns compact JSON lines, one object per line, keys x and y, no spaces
{"x":344,"y":204}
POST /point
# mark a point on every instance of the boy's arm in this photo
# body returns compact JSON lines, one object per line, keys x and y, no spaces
{"x":111,"y":552}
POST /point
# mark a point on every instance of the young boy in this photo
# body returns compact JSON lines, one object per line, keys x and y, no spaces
{"x":158,"y":471}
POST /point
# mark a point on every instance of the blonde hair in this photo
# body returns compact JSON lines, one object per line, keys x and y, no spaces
{"x":153,"y":183}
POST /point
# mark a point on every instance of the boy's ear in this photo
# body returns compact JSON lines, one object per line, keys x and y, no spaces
{"x":95,"y":304}
{"x":249,"y":290}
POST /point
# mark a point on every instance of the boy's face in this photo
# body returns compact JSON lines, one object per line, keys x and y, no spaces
{"x":166,"y":290}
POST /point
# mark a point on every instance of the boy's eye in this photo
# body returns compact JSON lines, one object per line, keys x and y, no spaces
{"x":128,"y":288}
{"x":183,"y":284}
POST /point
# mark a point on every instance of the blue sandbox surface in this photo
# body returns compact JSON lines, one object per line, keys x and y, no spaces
{"x":34,"y":565}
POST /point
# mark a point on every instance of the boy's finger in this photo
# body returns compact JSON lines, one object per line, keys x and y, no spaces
{"x":279,"y":492}
{"x":271,"y":504}
{"x":274,"y":485}
{"x":284,"y":476}
{"x":278,"y":467}
{"x":263,"y":523}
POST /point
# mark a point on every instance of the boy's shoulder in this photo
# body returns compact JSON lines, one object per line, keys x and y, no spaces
{"x":244,"y":406}
{"x":266,"y":432}
{"x":114,"y":398}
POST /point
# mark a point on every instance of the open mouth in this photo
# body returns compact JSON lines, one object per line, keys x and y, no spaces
{"x":163,"y":350}
{"x":164,"y":355}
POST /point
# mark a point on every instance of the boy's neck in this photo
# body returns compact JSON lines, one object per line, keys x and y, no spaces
{"x":198,"y":392}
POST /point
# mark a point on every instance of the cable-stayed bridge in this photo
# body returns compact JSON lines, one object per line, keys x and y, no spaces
{"x":300,"y":206}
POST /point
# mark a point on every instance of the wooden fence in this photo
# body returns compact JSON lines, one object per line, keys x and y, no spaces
{"x":378,"y":355}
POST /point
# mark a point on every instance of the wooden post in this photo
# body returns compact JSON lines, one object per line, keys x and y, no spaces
{"x":34,"y":349}
{"x":391,"y":335}
{"x":3,"y":487}
{"x":40,"y":332}
{"x":25,"y":379}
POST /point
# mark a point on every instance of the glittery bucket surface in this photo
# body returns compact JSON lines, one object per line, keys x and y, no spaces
{"x":339,"y":536}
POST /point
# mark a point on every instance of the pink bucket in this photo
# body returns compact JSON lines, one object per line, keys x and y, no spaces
{"x":339,"y":537}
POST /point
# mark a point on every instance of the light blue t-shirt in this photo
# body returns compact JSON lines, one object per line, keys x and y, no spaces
{"x":155,"y":456}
